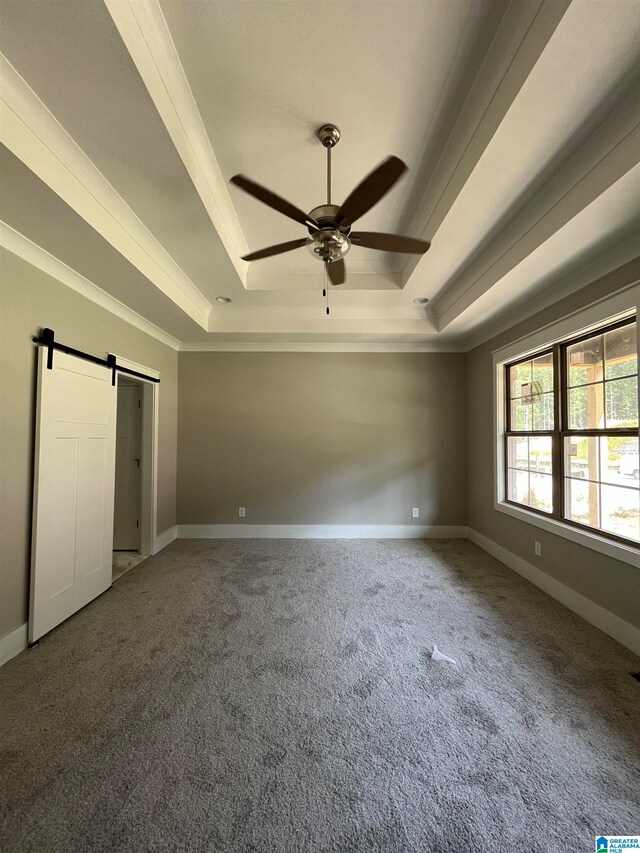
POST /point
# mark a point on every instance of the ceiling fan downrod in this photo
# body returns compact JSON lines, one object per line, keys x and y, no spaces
{"x":329,"y":135}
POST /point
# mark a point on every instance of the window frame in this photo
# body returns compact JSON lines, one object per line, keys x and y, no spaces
{"x":509,"y":433}
{"x":561,"y":430}
{"x":615,"y":309}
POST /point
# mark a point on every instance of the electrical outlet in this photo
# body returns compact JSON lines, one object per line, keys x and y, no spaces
{"x":416,"y":512}
{"x":537,"y":547}
{"x":242,"y":511}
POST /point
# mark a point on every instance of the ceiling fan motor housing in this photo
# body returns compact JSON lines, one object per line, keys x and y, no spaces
{"x":331,"y":241}
{"x":325,"y":215}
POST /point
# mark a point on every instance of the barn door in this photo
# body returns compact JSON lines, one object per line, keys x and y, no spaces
{"x":73,"y":489}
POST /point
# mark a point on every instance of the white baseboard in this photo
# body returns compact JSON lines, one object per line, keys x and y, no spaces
{"x":166,"y":538}
{"x":625,"y":633}
{"x":14,"y":643}
{"x":320,"y":531}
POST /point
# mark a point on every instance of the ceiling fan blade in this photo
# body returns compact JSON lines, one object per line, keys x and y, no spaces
{"x":337,"y":271}
{"x":371,"y":190}
{"x":275,"y":250}
{"x":389,"y":242}
{"x":273,"y":200}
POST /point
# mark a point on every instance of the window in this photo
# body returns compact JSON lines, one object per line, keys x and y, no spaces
{"x":571,"y":439}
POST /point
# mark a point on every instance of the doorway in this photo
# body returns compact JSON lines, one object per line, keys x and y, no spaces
{"x":127,"y":514}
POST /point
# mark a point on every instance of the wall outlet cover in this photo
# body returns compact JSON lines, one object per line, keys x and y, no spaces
{"x":416,"y":512}
{"x":537,"y":547}
{"x":242,"y":511}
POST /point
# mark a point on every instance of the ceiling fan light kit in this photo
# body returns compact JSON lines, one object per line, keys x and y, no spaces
{"x":329,"y":225}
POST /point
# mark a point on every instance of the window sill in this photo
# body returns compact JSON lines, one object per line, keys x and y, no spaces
{"x":616,"y":550}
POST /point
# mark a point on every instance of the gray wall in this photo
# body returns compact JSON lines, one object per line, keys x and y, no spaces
{"x":321,"y":438}
{"x":610,"y":583}
{"x":31,"y":299}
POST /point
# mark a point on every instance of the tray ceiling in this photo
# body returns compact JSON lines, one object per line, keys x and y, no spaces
{"x":520,"y":123}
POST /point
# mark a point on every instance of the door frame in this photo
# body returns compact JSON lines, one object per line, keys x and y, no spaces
{"x":149,"y":484}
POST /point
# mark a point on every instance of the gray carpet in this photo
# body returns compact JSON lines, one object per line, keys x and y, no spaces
{"x":277,"y":696}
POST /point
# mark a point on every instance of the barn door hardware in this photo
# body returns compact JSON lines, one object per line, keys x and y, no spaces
{"x":47,"y":339}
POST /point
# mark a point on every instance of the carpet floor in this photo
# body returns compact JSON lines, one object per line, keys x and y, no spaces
{"x":279,"y":695}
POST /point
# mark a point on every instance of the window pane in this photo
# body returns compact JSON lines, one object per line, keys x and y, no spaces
{"x":629,"y":464}
{"x":520,"y":374}
{"x":621,"y":352}
{"x":581,"y":457}
{"x":621,"y":511}
{"x":543,"y":373}
{"x":534,"y":487}
{"x":540,"y":454}
{"x":619,"y":460}
{"x":585,"y":361}
{"x":581,"y":502}
{"x":518,"y":452}
{"x":622,"y":402}
{"x":541,"y":492}
{"x":586,"y":407}
{"x":521,"y":416}
{"x":518,"y":486}
{"x":542,"y":411}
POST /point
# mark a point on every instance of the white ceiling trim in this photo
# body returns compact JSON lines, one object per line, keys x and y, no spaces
{"x":231,"y":346}
{"x":621,"y":263}
{"x":520,"y":40}
{"x":144,"y":31}
{"x":38,"y":257}
{"x":603,"y":159}
{"x":34,"y":135}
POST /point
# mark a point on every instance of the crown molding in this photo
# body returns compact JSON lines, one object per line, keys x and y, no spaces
{"x":33,"y":134}
{"x":316,"y":346}
{"x":144,"y":31}
{"x":38,"y":257}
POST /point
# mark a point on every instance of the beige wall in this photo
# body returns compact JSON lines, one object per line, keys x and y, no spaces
{"x":321,"y":438}
{"x":29,"y":300}
{"x":610,"y":583}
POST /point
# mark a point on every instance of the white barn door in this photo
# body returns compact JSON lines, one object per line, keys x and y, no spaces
{"x":74,"y":477}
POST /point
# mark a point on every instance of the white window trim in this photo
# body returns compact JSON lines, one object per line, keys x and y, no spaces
{"x":622,"y":304}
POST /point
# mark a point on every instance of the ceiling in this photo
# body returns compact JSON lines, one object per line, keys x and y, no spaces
{"x":123,"y":121}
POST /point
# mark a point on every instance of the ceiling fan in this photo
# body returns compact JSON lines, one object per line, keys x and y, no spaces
{"x":330,"y":224}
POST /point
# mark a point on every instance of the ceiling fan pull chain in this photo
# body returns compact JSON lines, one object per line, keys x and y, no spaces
{"x":325,"y":289}
{"x":329,"y":175}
